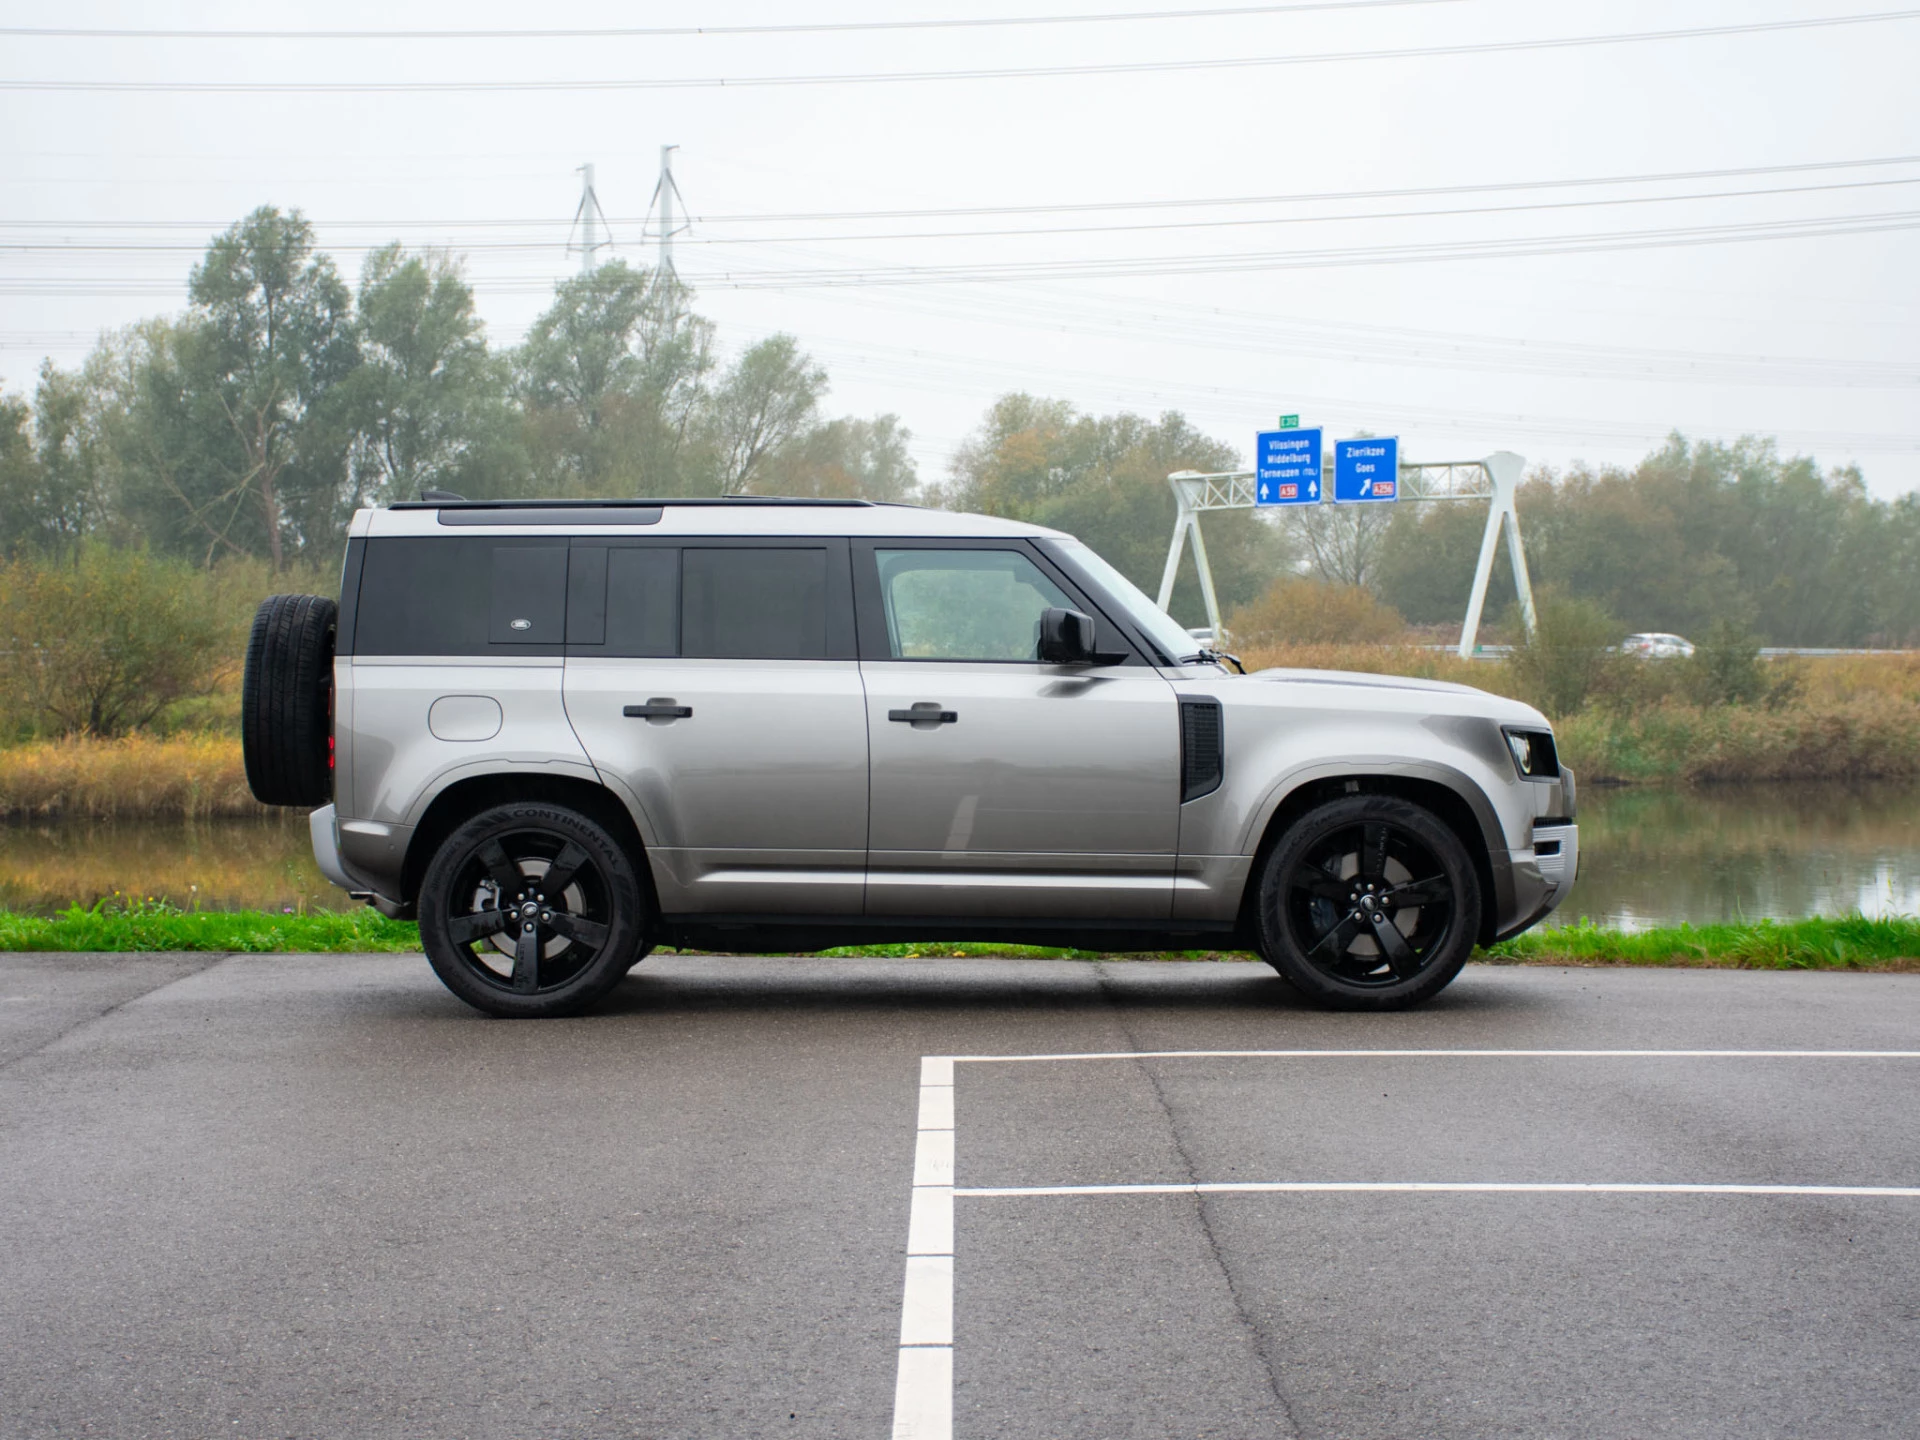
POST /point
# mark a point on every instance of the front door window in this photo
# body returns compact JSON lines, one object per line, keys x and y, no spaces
{"x":964,"y":604}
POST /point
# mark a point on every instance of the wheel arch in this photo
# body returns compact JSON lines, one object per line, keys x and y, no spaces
{"x":460,"y":801}
{"x":1451,"y":796}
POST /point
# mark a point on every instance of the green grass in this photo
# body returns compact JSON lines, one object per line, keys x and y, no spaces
{"x":1852,"y":943}
{"x":156,"y":925}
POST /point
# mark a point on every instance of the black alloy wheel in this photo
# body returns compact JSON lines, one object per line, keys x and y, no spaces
{"x":531,"y":910}
{"x":1369,"y":903}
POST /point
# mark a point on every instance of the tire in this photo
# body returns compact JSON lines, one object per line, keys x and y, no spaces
{"x":286,"y":701}
{"x":474,"y":923}
{"x":1368,"y":903}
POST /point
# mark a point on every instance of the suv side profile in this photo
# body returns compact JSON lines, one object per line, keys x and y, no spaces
{"x":560,"y":734}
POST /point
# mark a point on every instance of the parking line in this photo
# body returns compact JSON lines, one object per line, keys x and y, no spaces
{"x":923,"y":1385}
{"x":1447,"y":1054}
{"x":1437,"y":1187}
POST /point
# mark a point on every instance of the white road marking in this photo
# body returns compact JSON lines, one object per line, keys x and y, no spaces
{"x":933,"y":1157}
{"x":926,"y":1313}
{"x":923,"y":1395}
{"x":1443,"y":1187}
{"x":930,"y":1224}
{"x":923,"y":1387}
{"x":1446,"y":1054}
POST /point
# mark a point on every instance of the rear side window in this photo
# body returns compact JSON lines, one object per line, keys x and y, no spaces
{"x":753,"y":603}
{"x":424,"y":595}
{"x":624,"y":601}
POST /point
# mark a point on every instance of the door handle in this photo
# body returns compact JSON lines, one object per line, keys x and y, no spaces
{"x":925,"y":714}
{"x":657,"y":709}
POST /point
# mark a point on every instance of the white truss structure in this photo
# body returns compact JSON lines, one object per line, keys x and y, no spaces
{"x":1494,"y":479}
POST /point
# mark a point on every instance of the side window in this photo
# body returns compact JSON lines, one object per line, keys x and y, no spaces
{"x":753,"y":603}
{"x":964,"y":604}
{"x":423,"y":595}
{"x":624,"y":600}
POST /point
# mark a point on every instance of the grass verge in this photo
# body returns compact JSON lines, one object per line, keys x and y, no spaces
{"x":1849,"y":943}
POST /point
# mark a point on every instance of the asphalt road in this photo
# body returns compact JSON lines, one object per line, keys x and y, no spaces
{"x":293,"y":1196}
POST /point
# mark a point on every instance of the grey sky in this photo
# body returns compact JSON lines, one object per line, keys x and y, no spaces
{"x":1592,"y":354}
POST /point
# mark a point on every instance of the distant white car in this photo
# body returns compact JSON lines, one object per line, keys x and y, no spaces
{"x":1657,"y":646}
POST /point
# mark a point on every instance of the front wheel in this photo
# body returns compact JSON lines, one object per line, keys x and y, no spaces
{"x":531,"y":910}
{"x":1368,"y":903}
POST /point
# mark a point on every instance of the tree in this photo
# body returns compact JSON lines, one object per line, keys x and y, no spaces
{"x":846,"y":458}
{"x":102,"y":644}
{"x":268,"y":338}
{"x":1567,"y":656}
{"x":1104,"y":479}
{"x":429,"y":406}
{"x":765,"y":401}
{"x":1297,"y":610}
{"x":1342,"y":543}
{"x":613,"y":377}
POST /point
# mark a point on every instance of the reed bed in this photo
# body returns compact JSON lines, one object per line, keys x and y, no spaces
{"x":195,"y":776}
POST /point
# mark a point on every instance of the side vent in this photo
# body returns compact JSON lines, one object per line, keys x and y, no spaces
{"x":1203,"y":747}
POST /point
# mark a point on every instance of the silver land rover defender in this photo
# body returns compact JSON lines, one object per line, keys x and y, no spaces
{"x":561,"y":733}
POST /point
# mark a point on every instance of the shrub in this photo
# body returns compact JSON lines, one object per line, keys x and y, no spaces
{"x":101,"y":644}
{"x":1297,"y":611}
{"x":1568,"y":657}
{"x":1726,"y":669}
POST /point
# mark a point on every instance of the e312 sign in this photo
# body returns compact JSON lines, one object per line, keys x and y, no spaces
{"x":1366,"y":470}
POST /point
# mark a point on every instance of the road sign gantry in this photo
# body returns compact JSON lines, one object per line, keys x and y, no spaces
{"x":1495,"y":479}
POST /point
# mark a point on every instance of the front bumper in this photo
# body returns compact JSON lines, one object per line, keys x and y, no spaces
{"x":1542,"y":876}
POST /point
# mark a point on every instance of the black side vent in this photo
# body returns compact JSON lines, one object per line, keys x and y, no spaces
{"x":1203,"y":747}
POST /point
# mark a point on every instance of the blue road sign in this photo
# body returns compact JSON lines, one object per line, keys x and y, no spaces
{"x":1366,"y":470}
{"x":1286,"y":465}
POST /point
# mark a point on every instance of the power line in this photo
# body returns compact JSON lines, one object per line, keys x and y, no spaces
{"x":807,"y":216}
{"x":438,"y":87}
{"x":1239,"y":262}
{"x":674,"y":31}
{"x":1232,"y":262}
{"x":534,"y":246}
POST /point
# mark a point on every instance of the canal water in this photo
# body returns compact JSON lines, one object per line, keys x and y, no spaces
{"x":1647,"y":857}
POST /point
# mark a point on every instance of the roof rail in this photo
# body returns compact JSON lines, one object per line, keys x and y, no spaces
{"x":431,"y":503}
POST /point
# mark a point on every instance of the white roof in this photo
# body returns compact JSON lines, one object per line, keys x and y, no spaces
{"x":725,"y":519}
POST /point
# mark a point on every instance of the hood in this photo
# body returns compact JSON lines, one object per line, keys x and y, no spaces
{"x":1364,"y":680}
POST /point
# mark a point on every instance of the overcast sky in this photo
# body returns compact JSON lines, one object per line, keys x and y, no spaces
{"x":1790,"y":313}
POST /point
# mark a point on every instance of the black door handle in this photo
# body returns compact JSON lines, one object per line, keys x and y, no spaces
{"x":657,"y":710}
{"x":929,"y":714}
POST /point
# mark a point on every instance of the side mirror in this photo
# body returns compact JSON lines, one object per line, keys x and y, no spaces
{"x":1066,"y":637}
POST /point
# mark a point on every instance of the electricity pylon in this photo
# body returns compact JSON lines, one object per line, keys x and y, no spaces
{"x":665,"y":191}
{"x":588,"y":222}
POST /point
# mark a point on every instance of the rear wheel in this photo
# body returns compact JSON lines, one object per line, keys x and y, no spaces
{"x":1369,"y":903}
{"x":531,"y":910}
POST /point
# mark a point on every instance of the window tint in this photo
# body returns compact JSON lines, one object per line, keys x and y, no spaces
{"x":643,"y":601}
{"x":964,"y":604}
{"x":757,"y":603}
{"x":460,"y":596}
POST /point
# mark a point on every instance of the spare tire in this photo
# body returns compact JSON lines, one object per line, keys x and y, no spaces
{"x":286,"y":700}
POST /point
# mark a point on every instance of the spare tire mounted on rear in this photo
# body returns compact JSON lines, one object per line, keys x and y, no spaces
{"x":286,"y":701}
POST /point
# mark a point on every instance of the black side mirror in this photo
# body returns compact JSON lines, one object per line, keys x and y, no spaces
{"x":1066,"y":637}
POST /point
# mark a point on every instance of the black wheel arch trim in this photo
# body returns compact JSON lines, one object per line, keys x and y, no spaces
{"x":1486,"y":842}
{"x":460,"y":797}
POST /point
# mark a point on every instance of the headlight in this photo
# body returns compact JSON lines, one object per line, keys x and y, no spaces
{"x":1534,"y":755}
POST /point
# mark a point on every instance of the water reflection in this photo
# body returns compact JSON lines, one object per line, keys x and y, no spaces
{"x":1657,"y":857}
{"x":1647,"y":857}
